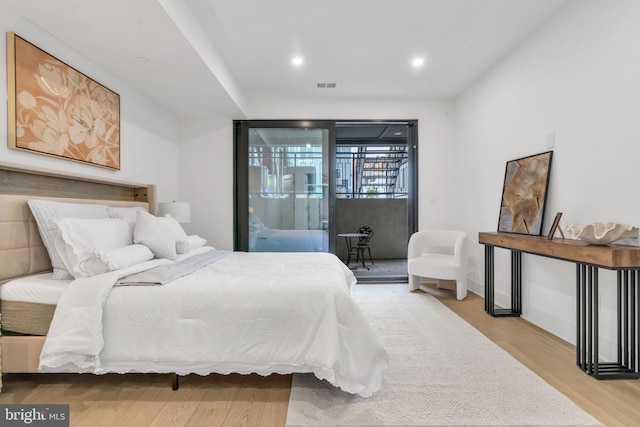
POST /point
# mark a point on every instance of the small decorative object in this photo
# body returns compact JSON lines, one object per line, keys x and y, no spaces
{"x":524,"y":194}
{"x":56,"y":110}
{"x":555,"y":227}
{"x":598,"y":233}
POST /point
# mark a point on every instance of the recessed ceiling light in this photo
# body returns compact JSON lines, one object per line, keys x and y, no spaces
{"x":297,"y":61}
{"x":417,"y":62}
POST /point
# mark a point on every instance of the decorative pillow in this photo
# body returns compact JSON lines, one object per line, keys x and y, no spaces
{"x":102,"y":261}
{"x":184,"y":246}
{"x":176,"y":229}
{"x":45,"y":211}
{"x":79,"y":238}
{"x":157,"y":234}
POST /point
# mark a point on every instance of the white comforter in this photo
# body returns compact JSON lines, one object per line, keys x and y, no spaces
{"x":247,"y":313}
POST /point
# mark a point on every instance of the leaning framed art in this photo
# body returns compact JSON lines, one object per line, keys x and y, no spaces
{"x":524,"y":194}
{"x":54,"y":109}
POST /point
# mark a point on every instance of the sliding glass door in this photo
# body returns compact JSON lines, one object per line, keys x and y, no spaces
{"x":284,"y":202}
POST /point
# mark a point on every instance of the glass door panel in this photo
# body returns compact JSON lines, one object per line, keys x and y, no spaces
{"x":288,"y":189}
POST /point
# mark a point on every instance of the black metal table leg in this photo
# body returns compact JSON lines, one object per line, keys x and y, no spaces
{"x":348,"y":241}
{"x":489,"y":284}
{"x":516,"y":282}
{"x":488,"y":279}
{"x":581,"y":321}
{"x":587,"y":324}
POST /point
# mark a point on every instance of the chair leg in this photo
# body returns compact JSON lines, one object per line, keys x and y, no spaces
{"x":361,"y":250}
{"x":461,"y":289}
{"x":414,"y":282}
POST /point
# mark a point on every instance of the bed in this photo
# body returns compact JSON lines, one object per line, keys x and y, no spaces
{"x":236,"y":312}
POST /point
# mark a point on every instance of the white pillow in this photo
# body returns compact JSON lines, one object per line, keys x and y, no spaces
{"x":155,"y":233}
{"x":115,"y":259}
{"x":79,"y":238}
{"x":184,"y":246}
{"x":46,"y":211}
{"x":176,"y":229}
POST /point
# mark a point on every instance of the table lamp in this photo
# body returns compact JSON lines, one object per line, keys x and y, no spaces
{"x":181,"y":211}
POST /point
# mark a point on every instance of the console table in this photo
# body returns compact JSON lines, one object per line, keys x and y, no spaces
{"x":625,"y":260}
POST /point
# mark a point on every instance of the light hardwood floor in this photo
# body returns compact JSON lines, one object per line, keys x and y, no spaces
{"x":235,"y":400}
{"x":612,"y":402}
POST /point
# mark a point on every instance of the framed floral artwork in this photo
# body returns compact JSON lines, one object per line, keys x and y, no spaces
{"x":54,"y":109}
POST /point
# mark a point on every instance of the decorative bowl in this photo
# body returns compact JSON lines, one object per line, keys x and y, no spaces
{"x":598,"y":233}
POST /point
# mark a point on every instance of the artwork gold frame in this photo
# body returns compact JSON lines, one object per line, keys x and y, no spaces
{"x":55,"y":110}
{"x":524,"y":194}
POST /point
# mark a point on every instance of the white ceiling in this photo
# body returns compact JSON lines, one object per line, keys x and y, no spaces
{"x":211,"y":58}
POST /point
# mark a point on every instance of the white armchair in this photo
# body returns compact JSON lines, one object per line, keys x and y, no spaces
{"x":438,"y":254}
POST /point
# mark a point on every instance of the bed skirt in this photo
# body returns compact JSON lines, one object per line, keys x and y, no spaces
{"x":20,"y":354}
{"x":29,"y":318}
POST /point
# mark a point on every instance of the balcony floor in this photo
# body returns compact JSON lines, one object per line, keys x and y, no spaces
{"x":388,"y":270}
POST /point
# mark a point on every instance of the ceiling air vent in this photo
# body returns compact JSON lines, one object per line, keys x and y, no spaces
{"x":325,"y":85}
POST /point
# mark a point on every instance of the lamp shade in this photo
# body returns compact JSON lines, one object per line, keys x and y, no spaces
{"x":181,"y":211}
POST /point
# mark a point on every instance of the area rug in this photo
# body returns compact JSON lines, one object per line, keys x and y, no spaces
{"x":442,"y":372}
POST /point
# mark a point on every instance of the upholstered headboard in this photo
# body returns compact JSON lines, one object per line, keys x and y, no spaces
{"x":21,"y":249}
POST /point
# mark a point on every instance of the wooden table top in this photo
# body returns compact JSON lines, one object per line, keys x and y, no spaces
{"x":607,"y":256}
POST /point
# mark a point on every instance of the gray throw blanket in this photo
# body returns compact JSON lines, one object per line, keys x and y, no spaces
{"x":167,"y":273}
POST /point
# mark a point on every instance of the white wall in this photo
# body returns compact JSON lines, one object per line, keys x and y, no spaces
{"x":147,"y":134}
{"x":577,"y":78}
{"x":206,"y":157}
{"x":206,"y":180}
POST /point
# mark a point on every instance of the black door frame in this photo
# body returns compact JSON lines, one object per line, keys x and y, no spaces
{"x":241,"y":172}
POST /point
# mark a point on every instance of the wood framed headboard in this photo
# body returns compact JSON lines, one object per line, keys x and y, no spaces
{"x":21,"y":249}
